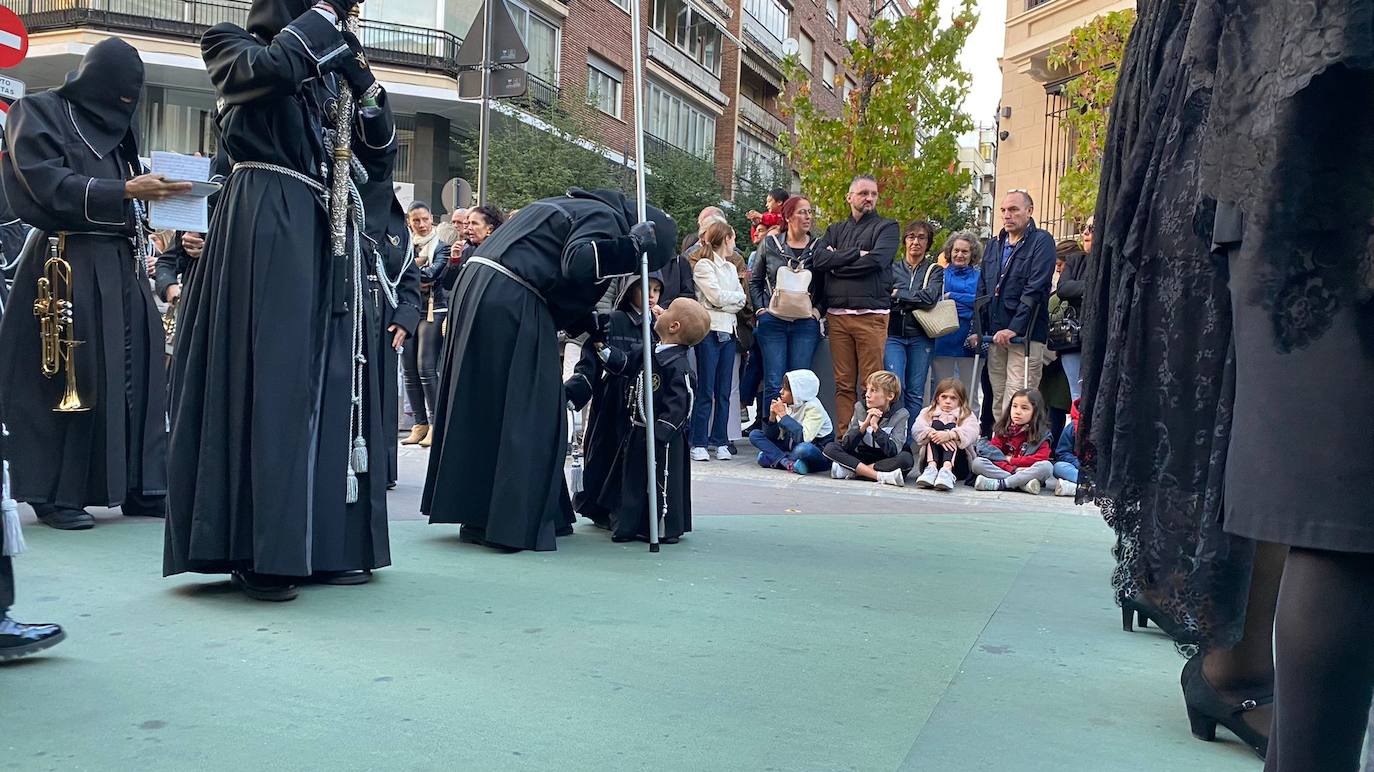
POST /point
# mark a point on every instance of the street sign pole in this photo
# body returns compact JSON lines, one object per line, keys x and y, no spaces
{"x":484,"y":122}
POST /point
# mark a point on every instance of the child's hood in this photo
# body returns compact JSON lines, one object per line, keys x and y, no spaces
{"x":622,"y":302}
{"x":805,"y":386}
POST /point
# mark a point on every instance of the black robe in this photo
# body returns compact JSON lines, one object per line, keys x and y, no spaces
{"x":500,"y":428}
{"x":626,"y":494}
{"x":56,"y":181}
{"x":261,"y":415}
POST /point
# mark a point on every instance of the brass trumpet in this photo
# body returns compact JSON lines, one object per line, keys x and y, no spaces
{"x":56,"y":323}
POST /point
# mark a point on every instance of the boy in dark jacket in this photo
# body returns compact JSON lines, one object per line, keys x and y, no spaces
{"x":874,"y":448}
{"x":685,"y":324}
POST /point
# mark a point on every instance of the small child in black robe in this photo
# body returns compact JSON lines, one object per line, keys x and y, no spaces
{"x":608,"y":420}
{"x":685,"y":324}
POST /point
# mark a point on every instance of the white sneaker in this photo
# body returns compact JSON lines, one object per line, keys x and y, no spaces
{"x":895,"y":477}
{"x":700,"y":454}
{"x":986,"y":484}
{"x":725,"y":453}
{"x":944,"y":481}
{"x":1066,"y":488}
{"x":927,"y":478}
{"x":840,"y":473}
{"x":1032,"y":487}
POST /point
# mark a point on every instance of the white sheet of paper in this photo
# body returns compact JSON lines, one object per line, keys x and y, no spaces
{"x":180,"y":213}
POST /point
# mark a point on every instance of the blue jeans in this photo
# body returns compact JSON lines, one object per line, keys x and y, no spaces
{"x":806,"y":452}
{"x":786,"y":346}
{"x":715,"y":374}
{"x":751,"y":378}
{"x":1063,"y":470}
{"x":909,"y":358}
{"x":1072,"y":363}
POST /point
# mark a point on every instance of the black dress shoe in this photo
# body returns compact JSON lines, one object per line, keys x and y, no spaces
{"x":64,"y":518}
{"x":138,"y":505}
{"x":20,"y":640}
{"x":263,"y":587}
{"x":566,"y":530}
{"x":468,"y":534}
{"x":1143,"y":612}
{"x":342,"y":578}
{"x":1207,"y":708}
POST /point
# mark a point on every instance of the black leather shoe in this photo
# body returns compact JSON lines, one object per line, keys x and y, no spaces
{"x":1206,"y":709}
{"x":565,"y":530}
{"x":342,"y":578}
{"x":138,"y":505}
{"x":20,"y":640}
{"x":469,"y":535}
{"x":64,"y":518}
{"x":263,"y":587}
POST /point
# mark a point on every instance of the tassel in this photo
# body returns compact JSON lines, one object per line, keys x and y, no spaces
{"x":359,"y":463}
{"x":575,"y":477}
{"x":14,"y":535}
{"x":351,"y":497}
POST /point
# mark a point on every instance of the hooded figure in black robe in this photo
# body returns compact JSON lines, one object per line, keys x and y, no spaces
{"x":608,"y":421}
{"x":274,"y":475}
{"x":68,"y":155}
{"x":500,"y":427}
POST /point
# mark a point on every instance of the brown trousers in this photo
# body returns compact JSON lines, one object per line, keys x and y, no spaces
{"x":856,"y":348}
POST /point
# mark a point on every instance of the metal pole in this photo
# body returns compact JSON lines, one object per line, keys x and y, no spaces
{"x":636,"y":46}
{"x":484,"y":121}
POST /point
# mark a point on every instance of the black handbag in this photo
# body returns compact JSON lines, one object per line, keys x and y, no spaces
{"x":1066,"y":332}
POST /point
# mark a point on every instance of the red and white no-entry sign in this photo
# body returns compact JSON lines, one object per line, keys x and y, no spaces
{"x":14,"y":39}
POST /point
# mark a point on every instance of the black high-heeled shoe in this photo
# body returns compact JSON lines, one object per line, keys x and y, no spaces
{"x":1207,"y":708}
{"x":1144,"y":613}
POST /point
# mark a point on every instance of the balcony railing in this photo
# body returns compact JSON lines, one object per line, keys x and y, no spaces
{"x":753,"y":112}
{"x":390,"y":44}
{"x":541,"y":92}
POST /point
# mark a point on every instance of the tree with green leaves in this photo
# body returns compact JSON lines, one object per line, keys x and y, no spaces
{"x":530,"y":162}
{"x":680,"y":184}
{"x":902,"y":121}
{"x":1092,"y":54}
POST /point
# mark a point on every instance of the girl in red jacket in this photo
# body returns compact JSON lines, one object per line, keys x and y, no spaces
{"x":1018,"y":455}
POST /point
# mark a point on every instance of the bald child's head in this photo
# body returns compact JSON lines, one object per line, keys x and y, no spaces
{"x":685,"y":323}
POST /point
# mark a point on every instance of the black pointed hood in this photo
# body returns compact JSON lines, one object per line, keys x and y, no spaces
{"x":268,"y":17}
{"x":110,"y":74}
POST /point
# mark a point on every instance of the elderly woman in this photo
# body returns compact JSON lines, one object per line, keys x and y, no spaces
{"x":952,"y":358}
{"x":917,"y":284}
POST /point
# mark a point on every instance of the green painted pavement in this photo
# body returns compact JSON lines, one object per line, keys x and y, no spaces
{"x":982,"y":640}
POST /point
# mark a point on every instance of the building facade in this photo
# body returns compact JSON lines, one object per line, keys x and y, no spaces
{"x":713,"y":70}
{"x":978,"y":164}
{"x":1035,"y":150}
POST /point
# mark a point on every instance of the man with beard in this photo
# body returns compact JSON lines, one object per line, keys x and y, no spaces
{"x":500,"y":428}
{"x":279,"y":444}
{"x":70,"y":170}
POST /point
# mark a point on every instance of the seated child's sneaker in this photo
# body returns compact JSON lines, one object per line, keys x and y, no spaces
{"x":927,"y":478}
{"x":840,"y":473}
{"x":944,"y":481}
{"x":1032,"y":487}
{"x":987,"y":484}
{"x":798,"y":466}
{"x":700,"y":454}
{"x":896,"y":477}
{"x":1066,"y":488}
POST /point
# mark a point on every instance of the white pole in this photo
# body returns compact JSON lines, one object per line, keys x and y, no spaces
{"x":647,"y":393}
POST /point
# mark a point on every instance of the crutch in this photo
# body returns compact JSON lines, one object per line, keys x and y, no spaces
{"x":975,"y":384}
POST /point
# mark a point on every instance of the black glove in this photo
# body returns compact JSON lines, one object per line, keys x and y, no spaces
{"x":354,"y":68}
{"x":643,"y":236}
{"x":600,"y":328}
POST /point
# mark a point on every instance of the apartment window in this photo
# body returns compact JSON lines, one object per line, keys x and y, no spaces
{"x":828,"y":72}
{"x":832,"y":12}
{"x":756,"y":155}
{"x":678,"y":122}
{"x":771,"y":14}
{"x":541,"y":39}
{"x":691,"y":32}
{"x":604,"y":84}
{"x":623,"y":5}
{"x":806,"y":51}
{"x":851,"y":28}
{"x":849,"y":86}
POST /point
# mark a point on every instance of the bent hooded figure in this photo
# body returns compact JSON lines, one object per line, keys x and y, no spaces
{"x":278,"y":443}
{"x":70,"y":155}
{"x":499,"y":429}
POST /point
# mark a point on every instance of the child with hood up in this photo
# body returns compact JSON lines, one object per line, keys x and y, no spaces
{"x":797,"y":427}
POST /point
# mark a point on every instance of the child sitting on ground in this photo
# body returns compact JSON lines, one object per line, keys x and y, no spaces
{"x":944,"y":433}
{"x":685,"y":324}
{"x":874,"y":448}
{"x":1018,"y":455}
{"x":797,"y":427}
{"x":1065,"y":459}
